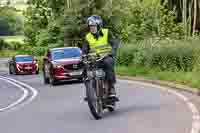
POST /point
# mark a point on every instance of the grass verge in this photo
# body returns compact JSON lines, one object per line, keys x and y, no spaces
{"x":8,"y":53}
{"x":13,"y":39}
{"x":186,"y":78}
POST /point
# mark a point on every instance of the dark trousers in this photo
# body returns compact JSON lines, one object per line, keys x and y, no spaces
{"x":107,"y":64}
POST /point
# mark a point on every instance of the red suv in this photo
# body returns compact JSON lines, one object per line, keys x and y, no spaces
{"x":21,"y":64}
{"x":62,"y":64}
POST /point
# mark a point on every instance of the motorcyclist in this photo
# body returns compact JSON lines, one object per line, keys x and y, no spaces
{"x":102,"y":40}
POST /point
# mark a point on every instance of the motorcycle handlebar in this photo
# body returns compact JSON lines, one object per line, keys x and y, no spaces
{"x":96,"y":56}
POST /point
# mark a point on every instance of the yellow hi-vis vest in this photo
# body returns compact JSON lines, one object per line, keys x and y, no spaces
{"x":100,"y":45}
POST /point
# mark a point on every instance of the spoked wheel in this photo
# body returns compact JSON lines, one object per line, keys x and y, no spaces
{"x":111,"y":108}
{"x":95,"y":104}
{"x":110,"y":103}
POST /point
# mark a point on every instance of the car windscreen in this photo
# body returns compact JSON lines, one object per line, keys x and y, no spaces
{"x":23,"y":58}
{"x":66,"y":53}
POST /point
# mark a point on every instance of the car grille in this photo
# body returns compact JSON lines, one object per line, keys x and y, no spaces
{"x":26,"y":67}
{"x":73,"y":66}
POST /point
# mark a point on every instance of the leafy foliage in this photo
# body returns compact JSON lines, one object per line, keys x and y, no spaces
{"x":164,"y":55}
{"x":11,"y":23}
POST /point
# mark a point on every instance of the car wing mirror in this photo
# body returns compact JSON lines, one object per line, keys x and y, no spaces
{"x":46,"y":59}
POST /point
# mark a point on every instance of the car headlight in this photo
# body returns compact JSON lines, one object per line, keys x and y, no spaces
{"x":18,"y":66}
{"x":57,"y":66}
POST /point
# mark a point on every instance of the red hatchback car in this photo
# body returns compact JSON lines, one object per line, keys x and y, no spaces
{"x":21,"y":64}
{"x":62,"y":64}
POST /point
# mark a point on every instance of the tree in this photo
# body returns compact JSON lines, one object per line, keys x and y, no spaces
{"x":14,"y":22}
{"x":195,"y":17}
{"x":4,"y":26}
{"x":187,"y":12}
{"x":44,"y":16}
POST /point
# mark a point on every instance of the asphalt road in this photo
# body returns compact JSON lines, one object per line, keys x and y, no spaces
{"x":61,"y":109}
{"x":8,"y":93}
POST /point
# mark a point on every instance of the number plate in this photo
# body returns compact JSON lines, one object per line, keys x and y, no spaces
{"x":76,"y":73}
{"x":27,"y":67}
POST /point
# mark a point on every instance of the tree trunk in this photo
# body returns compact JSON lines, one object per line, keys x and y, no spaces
{"x":184,"y":15}
{"x":190,"y":19}
{"x":68,"y":3}
{"x":195,"y":17}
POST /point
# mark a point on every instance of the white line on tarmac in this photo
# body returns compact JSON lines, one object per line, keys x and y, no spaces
{"x":195,"y":113}
{"x":21,"y":85}
{"x":25,"y":94}
{"x":33,"y":90}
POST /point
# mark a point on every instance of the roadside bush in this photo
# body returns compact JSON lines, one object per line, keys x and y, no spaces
{"x":126,"y":55}
{"x":164,"y":55}
{"x":172,"y":58}
{"x":10,"y":45}
{"x":4,"y":45}
{"x":39,"y":51}
{"x":26,"y":49}
{"x":16,"y":45}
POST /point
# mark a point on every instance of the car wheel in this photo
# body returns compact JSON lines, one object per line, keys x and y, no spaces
{"x":14,"y":71}
{"x":80,"y":79}
{"x":37,"y":72}
{"x":52,"y":81}
{"x":10,"y":71}
{"x":46,"y":79}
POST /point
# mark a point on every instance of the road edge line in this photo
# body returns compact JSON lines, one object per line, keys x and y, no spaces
{"x":195,"y":113}
{"x":25,"y":94}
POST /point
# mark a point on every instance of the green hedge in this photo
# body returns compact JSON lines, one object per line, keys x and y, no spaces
{"x":8,"y":53}
{"x":164,"y":55}
{"x":12,"y":45}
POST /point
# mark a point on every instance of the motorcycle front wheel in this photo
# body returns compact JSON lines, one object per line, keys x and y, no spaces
{"x":94,"y":102}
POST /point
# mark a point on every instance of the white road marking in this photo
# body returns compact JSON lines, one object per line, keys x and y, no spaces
{"x":21,"y":86}
{"x":195,"y":113}
{"x":33,"y":90}
{"x":25,"y":94}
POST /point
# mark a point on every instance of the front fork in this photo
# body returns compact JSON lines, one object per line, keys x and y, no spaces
{"x":102,"y":90}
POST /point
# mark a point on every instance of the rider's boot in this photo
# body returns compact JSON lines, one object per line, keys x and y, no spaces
{"x":112,"y":93}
